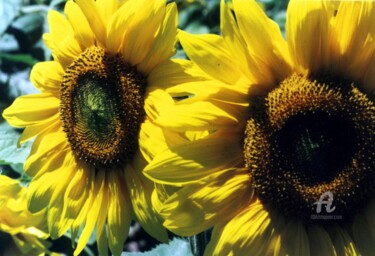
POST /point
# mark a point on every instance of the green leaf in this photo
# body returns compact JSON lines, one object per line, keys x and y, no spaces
{"x":10,"y":154}
{"x":19,"y":58}
{"x":177,"y":246}
{"x":9,"y":9}
{"x":29,"y":22}
{"x":196,"y":27}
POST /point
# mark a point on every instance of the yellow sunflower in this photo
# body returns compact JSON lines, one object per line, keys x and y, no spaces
{"x":289,"y":168}
{"x":20,"y":231}
{"x":93,"y":118}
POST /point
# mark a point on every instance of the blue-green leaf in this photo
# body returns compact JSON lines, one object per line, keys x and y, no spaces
{"x":9,"y":9}
{"x":9,"y":152}
{"x":177,"y":246}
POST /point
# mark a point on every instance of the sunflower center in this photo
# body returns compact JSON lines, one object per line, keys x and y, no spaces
{"x":102,"y":108}
{"x":306,"y":140}
{"x":315,"y":145}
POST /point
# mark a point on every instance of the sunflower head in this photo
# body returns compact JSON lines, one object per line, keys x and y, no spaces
{"x":289,"y":166}
{"x":94,"y":116}
{"x":307,"y":138}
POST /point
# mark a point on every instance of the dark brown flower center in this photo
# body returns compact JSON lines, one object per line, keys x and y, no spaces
{"x":308,"y":143}
{"x":102,"y":100}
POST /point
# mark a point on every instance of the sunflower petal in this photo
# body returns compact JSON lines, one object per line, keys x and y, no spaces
{"x":31,"y":109}
{"x":185,"y":163}
{"x":318,"y":235}
{"x":61,"y":40}
{"x":33,"y":130}
{"x":294,"y":239}
{"x":119,"y":212}
{"x":140,"y":190}
{"x":206,"y":202}
{"x":355,"y":36}
{"x":153,"y":139}
{"x":101,"y":233}
{"x":236,"y":43}
{"x":47,"y":77}
{"x":46,"y":153}
{"x":94,"y":18}
{"x":164,"y":45}
{"x":264,"y":40}
{"x":210,"y":53}
{"x":200,"y":115}
{"x":142,"y":29}
{"x":362,"y":235}
{"x":307,"y":30}
{"x":92,"y":213}
{"x":80,"y":25}
{"x":176,"y":72}
{"x":344,"y":244}
{"x":248,"y":233}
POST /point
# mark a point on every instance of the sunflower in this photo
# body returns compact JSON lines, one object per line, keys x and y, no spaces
{"x":20,"y":231}
{"x":288,"y":169}
{"x":92,"y":121}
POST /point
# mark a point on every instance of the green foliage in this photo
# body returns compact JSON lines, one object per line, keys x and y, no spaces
{"x":9,"y":9}
{"x":9,"y":152}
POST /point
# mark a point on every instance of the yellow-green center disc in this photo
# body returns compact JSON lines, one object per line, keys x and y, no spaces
{"x":102,"y":101}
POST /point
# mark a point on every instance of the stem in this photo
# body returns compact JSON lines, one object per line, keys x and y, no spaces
{"x":198,"y":243}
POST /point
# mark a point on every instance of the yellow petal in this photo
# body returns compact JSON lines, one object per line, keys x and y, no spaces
{"x":344,"y":244}
{"x":176,"y":72}
{"x":107,"y":8}
{"x":57,"y":223}
{"x":91,"y":214}
{"x":248,"y":233}
{"x":200,"y":115}
{"x":157,"y":101}
{"x":198,"y":207}
{"x":46,"y":153}
{"x":164,"y":45}
{"x":264,"y":40}
{"x":320,"y":242}
{"x":89,"y":186}
{"x":118,"y":24}
{"x":76,"y":193}
{"x":192,"y":161}
{"x":101,"y":233}
{"x":153,"y":140}
{"x":40,"y":191}
{"x":47,"y":77}
{"x":119,"y":212}
{"x":31,"y":109}
{"x":41,"y":127}
{"x":94,"y":18}
{"x":142,"y":29}
{"x":307,"y":30}
{"x":140,"y":190}
{"x":355,"y":34}
{"x":294,"y":239}
{"x":61,"y":40}
{"x":236,"y":43}
{"x":80,"y":25}
{"x":211,"y":54}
